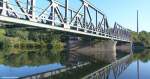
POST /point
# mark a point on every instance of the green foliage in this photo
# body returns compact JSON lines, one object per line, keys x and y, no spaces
{"x":4,"y":43}
{"x":143,"y":37}
{"x":57,"y":45}
{"x":2,"y":33}
{"x":135,"y":37}
{"x":2,"y":36}
{"x":26,"y":36}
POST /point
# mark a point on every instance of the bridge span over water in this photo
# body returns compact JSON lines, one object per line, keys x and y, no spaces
{"x":87,"y":20}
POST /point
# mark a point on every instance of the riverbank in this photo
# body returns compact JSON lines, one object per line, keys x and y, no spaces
{"x":30,"y":38}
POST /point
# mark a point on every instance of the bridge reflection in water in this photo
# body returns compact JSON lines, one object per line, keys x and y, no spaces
{"x":63,"y":65}
{"x":86,"y":69}
{"x":116,"y":67}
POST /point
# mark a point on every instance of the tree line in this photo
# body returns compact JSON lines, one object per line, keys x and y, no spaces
{"x":30,"y":38}
{"x":141,"y":38}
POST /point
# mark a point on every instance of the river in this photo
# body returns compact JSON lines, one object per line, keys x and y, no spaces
{"x":43,"y":63}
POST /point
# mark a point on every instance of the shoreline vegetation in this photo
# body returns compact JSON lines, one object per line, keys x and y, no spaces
{"x":53,"y":40}
{"x":25,"y":38}
{"x":141,"y":40}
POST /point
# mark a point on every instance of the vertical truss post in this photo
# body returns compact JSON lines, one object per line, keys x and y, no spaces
{"x":84,"y":21}
{"x":105,"y":25}
{"x":4,"y":10}
{"x":1,"y":5}
{"x":119,"y":32}
{"x":122,"y":33}
{"x":71,"y":15}
{"x":66,"y":24}
{"x":113,"y":31}
{"x":66,"y":11}
{"x":52,"y":13}
{"x":125,"y":33}
{"x":96,"y":21}
{"x":85,"y":9}
{"x":27,"y":6}
{"x":51,"y":17}
{"x":33,"y":10}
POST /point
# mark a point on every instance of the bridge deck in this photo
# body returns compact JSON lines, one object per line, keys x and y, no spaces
{"x":35,"y":24}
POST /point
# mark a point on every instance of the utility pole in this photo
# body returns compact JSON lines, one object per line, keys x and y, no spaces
{"x":137,"y":21}
{"x":138,"y":70}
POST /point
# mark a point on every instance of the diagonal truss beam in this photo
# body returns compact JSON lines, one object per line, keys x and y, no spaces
{"x":86,"y":18}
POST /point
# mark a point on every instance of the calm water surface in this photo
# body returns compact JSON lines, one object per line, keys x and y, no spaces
{"x":139,"y":68}
{"x":21,"y":63}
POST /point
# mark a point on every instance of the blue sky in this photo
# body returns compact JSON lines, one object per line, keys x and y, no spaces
{"x":123,"y":12}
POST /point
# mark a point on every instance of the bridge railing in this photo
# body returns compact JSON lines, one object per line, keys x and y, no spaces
{"x":87,"y":18}
{"x":121,"y":32}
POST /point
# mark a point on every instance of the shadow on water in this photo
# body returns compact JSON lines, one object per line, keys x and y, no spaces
{"x":43,"y":63}
{"x":17,"y":62}
{"x":21,"y":63}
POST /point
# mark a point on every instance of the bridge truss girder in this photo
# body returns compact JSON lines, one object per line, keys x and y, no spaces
{"x":87,"y":18}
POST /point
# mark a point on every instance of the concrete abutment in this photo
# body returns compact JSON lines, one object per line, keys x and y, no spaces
{"x":104,"y":50}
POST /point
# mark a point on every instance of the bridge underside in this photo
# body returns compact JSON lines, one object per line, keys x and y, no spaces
{"x":104,"y":50}
{"x":25,"y":23}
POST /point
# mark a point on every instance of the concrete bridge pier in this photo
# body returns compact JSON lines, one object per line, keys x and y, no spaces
{"x":104,"y":50}
{"x":125,"y":47}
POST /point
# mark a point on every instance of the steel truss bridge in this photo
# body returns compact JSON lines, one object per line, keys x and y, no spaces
{"x":87,"y":20}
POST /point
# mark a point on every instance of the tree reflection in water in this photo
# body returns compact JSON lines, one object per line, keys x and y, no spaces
{"x":20,"y":57}
{"x":16,"y":58}
{"x":144,"y":56}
